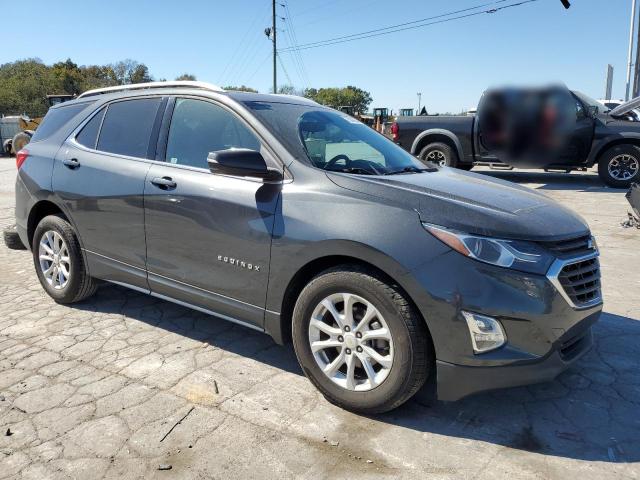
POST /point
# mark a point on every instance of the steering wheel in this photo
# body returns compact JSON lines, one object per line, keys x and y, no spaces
{"x":331,"y":163}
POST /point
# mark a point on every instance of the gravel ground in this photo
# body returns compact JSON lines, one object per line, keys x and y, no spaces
{"x":125,"y":386}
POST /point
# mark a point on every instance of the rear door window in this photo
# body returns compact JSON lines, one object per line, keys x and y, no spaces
{"x":199,"y":127}
{"x":55,"y":119}
{"x":127,"y":126}
{"x":88,"y":136}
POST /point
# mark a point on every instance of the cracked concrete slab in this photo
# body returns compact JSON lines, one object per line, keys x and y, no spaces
{"x":117,"y":385}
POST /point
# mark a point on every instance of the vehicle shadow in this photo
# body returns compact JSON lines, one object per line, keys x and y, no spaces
{"x":588,"y":413}
{"x":577,"y":181}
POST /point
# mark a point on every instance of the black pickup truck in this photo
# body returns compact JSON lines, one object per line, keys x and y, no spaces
{"x":608,"y":138}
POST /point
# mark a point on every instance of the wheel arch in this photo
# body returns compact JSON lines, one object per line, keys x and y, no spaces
{"x":605,"y":144}
{"x":435,"y":135}
{"x":280,"y":328}
{"x":41,"y":209}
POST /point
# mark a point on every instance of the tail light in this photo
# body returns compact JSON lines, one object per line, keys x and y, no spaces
{"x":395,"y":131}
{"x":21,"y":156}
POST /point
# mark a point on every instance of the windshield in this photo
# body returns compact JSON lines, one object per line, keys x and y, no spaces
{"x":590,"y":102}
{"x":333,"y":141}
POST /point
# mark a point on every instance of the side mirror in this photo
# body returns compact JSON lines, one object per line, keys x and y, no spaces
{"x":593,"y":111}
{"x":241,"y":162}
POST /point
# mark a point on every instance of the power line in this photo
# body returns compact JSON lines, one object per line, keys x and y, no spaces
{"x":411,"y":25}
{"x":293,"y":40}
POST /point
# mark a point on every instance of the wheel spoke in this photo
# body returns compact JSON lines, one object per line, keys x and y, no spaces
{"x":384,"y":361}
{"x":331,"y":308}
{"x":378,"y":333}
{"x":47,"y":258}
{"x":368,"y":315}
{"x":322,"y":344}
{"x":323,"y":327}
{"x":349,"y":302}
{"x":331,"y":369}
{"x":351,"y":368}
{"x":368,"y":368}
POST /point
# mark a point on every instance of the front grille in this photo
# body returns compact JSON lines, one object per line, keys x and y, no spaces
{"x":581,"y":281}
{"x":573,"y":247}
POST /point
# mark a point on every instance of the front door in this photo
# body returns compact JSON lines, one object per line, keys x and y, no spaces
{"x":99,"y":176}
{"x":208,"y":236}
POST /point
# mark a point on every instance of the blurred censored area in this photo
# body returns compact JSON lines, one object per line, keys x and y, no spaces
{"x":530,"y":125}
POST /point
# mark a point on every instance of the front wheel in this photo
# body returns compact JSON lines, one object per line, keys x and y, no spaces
{"x":59,"y":262}
{"x":619,"y":166}
{"x":360,"y":341}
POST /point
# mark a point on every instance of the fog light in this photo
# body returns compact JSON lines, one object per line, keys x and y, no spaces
{"x":486,"y":333}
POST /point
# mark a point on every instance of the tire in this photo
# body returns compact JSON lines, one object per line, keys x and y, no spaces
{"x":78,"y":284}
{"x":20,"y":139}
{"x":6,"y":147}
{"x":12,"y":239}
{"x":440,"y":154}
{"x":619,"y":166}
{"x":409,"y":350}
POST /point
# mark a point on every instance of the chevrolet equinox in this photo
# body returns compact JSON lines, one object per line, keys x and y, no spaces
{"x":297,"y":220}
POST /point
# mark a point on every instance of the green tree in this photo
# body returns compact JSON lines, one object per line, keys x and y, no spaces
{"x":349,"y":95}
{"x":186,"y":76}
{"x":241,"y":88}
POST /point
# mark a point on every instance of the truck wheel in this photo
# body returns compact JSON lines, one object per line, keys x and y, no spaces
{"x":619,"y":166}
{"x":6,"y":147}
{"x":59,"y":262}
{"x":440,"y":154}
{"x":12,"y":239}
{"x":359,"y":340}
{"x":20,"y":139}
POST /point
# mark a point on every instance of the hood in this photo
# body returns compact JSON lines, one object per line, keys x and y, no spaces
{"x":473,"y":203}
{"x":625,"y":107}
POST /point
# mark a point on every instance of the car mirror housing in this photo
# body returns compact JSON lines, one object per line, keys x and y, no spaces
{"x":241,"y":162}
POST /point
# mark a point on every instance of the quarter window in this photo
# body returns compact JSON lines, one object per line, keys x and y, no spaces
{"x":127,"y":126}
{"x":88,"y":136}
{"x":55,"y":119}
{"x":199,"y":127}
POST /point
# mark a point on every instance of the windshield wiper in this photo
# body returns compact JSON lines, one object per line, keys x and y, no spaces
{"x":357,"y":170}
{"x":412,"y":170}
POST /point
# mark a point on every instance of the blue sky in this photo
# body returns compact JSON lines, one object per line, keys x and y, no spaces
{"x":450,"y":63}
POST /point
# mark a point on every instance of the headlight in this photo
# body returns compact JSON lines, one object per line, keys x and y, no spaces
{"x":516,"y":254}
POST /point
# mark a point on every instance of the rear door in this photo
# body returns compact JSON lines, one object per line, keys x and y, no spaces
{"x":99,"y":175}
{"x":209,"y":236}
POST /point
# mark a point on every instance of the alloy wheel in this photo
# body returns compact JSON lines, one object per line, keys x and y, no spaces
{"x":351,"y":342}
{"x":437,"y":157}
{"x":623,"y":166}
{"x":55,"y":262}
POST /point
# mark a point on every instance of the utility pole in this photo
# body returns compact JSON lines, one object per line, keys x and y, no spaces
{"x":609,"y":82}
{"x":275,"y":51}
{"x":630,"y":55}
{"x":419,"y":101}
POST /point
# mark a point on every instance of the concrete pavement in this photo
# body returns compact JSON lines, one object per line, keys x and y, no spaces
{"x":124,"y":384}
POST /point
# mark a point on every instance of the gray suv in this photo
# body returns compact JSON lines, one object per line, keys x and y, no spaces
{"x":294,"y":219}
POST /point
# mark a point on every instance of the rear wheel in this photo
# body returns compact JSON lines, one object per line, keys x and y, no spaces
{"x":59,"y":262}
{"x":440,"y":154}
{"x":619,"y":166}
{"x":359,"y":340}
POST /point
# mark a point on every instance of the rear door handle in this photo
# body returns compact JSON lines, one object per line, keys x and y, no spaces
{"x":164,"y":183}
{"x":71,"y":163}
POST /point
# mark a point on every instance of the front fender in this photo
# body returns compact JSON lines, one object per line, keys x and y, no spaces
{"x":601,"y":145}
{"x":437,"y":131}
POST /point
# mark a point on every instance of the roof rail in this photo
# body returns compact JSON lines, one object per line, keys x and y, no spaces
{"x":150,"y":85}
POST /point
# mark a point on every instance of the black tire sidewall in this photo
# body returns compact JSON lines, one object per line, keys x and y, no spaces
{"x":77,"y":272}
{"x":451,"y":159}
{"x":352,"y":282}
{"x":603,"y":165}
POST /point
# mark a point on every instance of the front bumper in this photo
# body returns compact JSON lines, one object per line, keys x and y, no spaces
{"x":458,"y":381}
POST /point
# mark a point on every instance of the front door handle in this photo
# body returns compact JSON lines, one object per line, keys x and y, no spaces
{"x":164,"y":183}
{"x":71,"y":163}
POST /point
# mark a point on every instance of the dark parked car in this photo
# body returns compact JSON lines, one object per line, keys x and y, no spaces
{"x":608,"y":138}
{"x":297,"y":220}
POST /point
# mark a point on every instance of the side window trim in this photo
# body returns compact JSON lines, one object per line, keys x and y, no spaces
{"x":163,"y":135}
{"x":155,"y":131}
{"x":76,"y":133}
